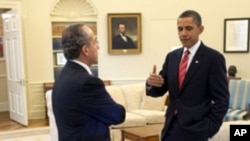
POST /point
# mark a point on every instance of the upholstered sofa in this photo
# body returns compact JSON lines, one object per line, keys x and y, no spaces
{"x":140,"y":109}
{"x":239,"y":102}
{"x":52,"y":122}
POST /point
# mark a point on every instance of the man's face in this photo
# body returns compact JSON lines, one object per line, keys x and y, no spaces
{"x":122,"y":28}
{"x":188,"y":31}
{"x":92,"y":48}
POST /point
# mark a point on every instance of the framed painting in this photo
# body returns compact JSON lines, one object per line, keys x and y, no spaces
{"x":124,"y":33}
{"x":236,"y":35}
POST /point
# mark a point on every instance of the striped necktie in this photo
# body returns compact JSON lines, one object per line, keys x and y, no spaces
{"x":183,"y":68}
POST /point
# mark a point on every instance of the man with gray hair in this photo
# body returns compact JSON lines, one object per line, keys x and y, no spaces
{"x":83,"y":108}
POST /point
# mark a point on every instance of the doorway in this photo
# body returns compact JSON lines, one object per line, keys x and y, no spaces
{"x":4,"y":100}
{"x":14,"y":70}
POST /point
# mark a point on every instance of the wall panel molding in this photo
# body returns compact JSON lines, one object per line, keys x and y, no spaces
{"x":4,"y":106}
{"x":3,"y":93}
{"x":3,"y":76}
{"x":36,"y":100}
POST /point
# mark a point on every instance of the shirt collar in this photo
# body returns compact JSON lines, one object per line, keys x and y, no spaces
{"x":122,"y":34}
{"x":194,"y":48}
{"x":83,"y":65}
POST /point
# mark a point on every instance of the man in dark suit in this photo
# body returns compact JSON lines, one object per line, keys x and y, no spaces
{"x":83,"y":108}
{"x":198,"y":104}
{"x":122,"y":41}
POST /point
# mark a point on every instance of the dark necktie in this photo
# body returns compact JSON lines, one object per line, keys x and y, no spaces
{"x":183,"y":68}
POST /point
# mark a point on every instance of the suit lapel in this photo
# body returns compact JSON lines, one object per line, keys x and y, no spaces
{"x":195,"y":64}
{"x":176,"y":67}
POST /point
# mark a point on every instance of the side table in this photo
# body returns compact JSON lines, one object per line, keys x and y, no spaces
{"x":143,"y":133}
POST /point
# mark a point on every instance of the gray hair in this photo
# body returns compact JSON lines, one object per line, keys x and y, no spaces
{"x":73,"y":39}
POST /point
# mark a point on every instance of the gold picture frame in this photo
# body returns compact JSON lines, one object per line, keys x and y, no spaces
{"x":131,"y":24}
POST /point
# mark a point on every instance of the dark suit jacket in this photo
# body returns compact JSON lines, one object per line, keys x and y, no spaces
{"x":119,"y":43}
{"x":82,"y":107}
{"x":205,"y":81}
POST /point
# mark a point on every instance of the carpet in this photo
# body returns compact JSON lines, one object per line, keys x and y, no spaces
{"x":31,"y":134}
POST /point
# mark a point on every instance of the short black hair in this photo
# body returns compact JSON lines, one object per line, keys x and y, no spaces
{"x":73,"y":39}
{"x":191,"y":13}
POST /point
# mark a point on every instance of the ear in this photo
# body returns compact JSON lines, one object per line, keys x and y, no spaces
{"x":85,"y":50}
{"x":201,"y":28}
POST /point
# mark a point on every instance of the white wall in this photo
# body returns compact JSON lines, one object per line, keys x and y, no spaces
{"x":159,"y":33}
{"x":38,"y":41}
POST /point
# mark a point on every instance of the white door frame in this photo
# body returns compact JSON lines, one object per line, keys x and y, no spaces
{"x":16,"y":4}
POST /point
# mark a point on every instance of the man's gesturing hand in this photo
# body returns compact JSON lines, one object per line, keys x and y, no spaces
{"x":154,"y":79}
